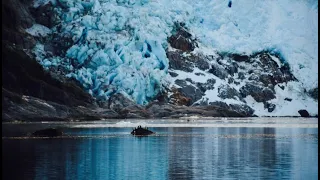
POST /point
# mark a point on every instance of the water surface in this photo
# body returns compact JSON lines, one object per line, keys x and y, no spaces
{"x":202,"y":149}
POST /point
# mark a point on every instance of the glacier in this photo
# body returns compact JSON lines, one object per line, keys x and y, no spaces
{"x":120,"y":45}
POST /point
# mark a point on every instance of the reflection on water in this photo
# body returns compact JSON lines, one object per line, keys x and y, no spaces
{"x":174,"y":153}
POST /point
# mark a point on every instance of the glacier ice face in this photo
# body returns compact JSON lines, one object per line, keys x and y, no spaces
{"x":119,"y":45}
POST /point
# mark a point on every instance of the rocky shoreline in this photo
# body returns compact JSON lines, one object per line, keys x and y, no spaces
{"x":24,"y":108}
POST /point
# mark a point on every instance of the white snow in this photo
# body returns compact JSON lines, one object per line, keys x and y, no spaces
{"x":276,"y":60}
{"x":299,"y":101}
{"x":287,"y":26}
{"x":38,"y":30}
{"x":293,"y":91}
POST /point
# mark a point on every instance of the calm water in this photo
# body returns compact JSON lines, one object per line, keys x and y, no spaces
{"x":204,"y":150}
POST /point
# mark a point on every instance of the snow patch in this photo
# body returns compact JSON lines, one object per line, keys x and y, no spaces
{"x":294,"y":91}
{"x":38,"y":30}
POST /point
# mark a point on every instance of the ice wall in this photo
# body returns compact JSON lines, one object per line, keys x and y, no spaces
{"x":119,"y":47}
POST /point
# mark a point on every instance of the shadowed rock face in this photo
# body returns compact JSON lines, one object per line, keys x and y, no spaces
{"x":182,"y":39}
{"x":225,"y":91}
{"x":50,"y":132}
{"x":269,"y":106}
{"x":45,"y":15}
{"x":259,"y":93}
{"x":188,"y":91}
{"x":23,"y":75}
{"x":175,"y":111}
{"x":178,"y":98}
{"x":180,"y":62}
{"x":141,"y":132}
{"x":15,"y":18}
{"x":243,"y":109}
{"x":304,"y":113}
{"x":314,"y":93}
{"x":126,"y":108}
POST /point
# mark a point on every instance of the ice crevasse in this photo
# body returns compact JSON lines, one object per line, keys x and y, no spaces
{"x":119,"y":45}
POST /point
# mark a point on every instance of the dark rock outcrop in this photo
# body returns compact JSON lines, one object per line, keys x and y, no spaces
{"x":191,"y":92}
{"x":16,"y":14}
{"x":23,"y":75}
{"x":45,"y":15}
{"x":27,"y":108}
{"x":219,"y":71}
{"x":288,"y":99}
{"x":227,"y":92}
{"x":174,"y":111}
{"x":58,"y":44}
{"x":243,"y":109}
{"x":181,"y":82}
{"x":260,"y":68}
{"x":126,"y":108}
{"x":230,"y":4}
{"x":232,"y":68}
{"x":314,"y":93}
{"x":178,"y":98}
{"x":178,"y":61}
{"x":271,"y":107}
{"x":210,"y":84}
{"x":173,"y":74}
{"x":15,"y":18}
{"x":182,"y":39}
{"x":200,"y":61}
{"x":239,"y":57}
{"x":49,"y":132}
{"x":260,"y":94}
{"x":304,"y":113}
{"x":203,"y":87}
{"x":241,"y":76}
{"x":270,"y":72}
